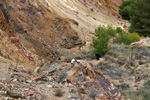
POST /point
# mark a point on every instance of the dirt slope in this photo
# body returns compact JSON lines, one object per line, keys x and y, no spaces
{"x":39,"y":29}
{"x":48,"y":25}
{"x":107,"y":7}
{"x":88,"y":13}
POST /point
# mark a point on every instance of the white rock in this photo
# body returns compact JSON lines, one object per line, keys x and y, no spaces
{"x":69,"y":97}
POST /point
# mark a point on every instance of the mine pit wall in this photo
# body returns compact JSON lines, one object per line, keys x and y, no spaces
{"x":4,"y":23}
{"x":87,"y":15}
{"x":39,"y":30}
{"x":108,"y":7}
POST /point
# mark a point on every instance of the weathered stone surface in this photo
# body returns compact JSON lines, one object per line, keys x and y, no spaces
{"x":4,"y":71}
{"x":37,"y":27}
{"x":144,"y":42}
{"x":93,"y":79}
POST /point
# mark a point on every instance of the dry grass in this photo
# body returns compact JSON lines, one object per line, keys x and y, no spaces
{"x":79,"y":54}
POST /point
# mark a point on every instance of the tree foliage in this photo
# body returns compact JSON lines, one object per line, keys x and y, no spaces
{"x":138,"y":14}
{"x":125,"y":9}
{"x":100,"y":42}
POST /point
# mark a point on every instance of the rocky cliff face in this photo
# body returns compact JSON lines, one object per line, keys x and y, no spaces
{"x":10,"y":45}
{"x":39,"y":29}
{"x":108,"y":7}
{"x":47,"y":25}
{"x":89,"y":14}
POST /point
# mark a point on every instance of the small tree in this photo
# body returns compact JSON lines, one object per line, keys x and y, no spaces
{"x":100,"y":42}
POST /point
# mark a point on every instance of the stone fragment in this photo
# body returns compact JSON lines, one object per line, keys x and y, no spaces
{"x":37,"y":78}
{"x":81,"y":90}
{"x":49,"y":86}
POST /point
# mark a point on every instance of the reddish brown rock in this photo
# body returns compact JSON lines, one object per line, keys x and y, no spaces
{"x":14,"y":39}
{"x":37,"y":28}
{"x":100,"y":83}
{"x":37,"y":78}
{"x":81,"y":90}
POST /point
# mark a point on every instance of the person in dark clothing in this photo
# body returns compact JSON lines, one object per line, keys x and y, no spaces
{"x":97,"y":56}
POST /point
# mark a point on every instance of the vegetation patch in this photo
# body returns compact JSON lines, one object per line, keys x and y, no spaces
{"x":100,"y":43}
{"x":136,"y":12}
{"x":124,"y":37}
{"x":111,"y":31}
{"x":141,"y":94}
{"x":135,"y":37}
{"x":123,"y":86}
{"x":93,"y":93}
{"x":147,"y":83}
{"x":59,"y":93}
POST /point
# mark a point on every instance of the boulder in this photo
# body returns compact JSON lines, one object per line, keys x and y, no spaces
{"x":144,"y":42}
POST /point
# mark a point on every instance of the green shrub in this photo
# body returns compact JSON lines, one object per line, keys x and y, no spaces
{"x":119,"y":30}
{"x":147,"y":83}
{"x":93,"y":93}
{"x":123,"y":86}
{"x":146,"y":96}
{"x":111,"y":31}
{"x":135,"y":37}
{"x":100,"y":42}
{"x":124,"y":38}
{"x":59,"y":93}
{"x":98,"y":30}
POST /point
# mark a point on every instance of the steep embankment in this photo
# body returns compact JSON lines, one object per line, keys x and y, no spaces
{"x":107,"y":7}
{"x":88,"y":13}
{"x":39,"y":29}
{"x":10,"y":45}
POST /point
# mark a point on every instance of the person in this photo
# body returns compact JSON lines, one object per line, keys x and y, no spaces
{"x":58,"y":58}
{"x":97,"y":56}
{"x":72,"y":61}
{"x":67,"y":59}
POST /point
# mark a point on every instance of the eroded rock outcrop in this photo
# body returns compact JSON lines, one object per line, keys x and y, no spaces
{"x":83,"y":75}
{"x":89,"y":14}
{"x":144,"y":42}
{"x":11,"y":48}
{"x":39,"y":29}
{"x":109,"y":7}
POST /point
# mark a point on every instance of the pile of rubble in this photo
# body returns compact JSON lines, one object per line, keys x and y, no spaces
{"x":79,"y":84}
{"x":86,"y":79}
